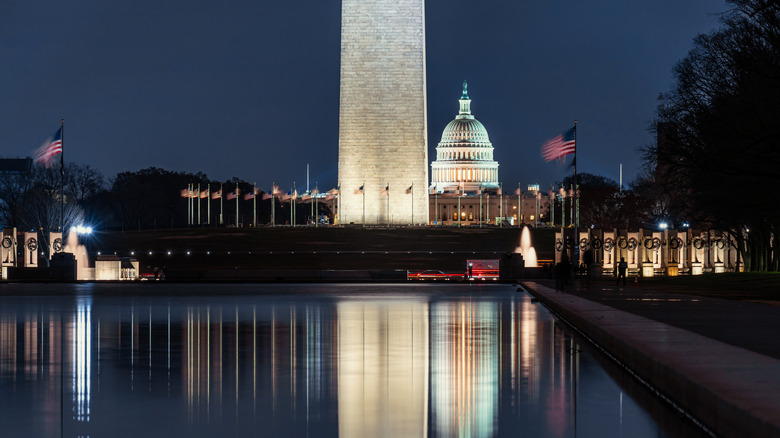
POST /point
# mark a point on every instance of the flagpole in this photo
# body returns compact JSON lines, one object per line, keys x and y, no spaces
{"x":412,"y":204}
{"x":62,"y":175}
{"x":208,"y":205}
{"x":364,"y":204}
{"x":388,"y":204}
{"x":519,"y":205}
{"x":198,"y":203}
{"x":460,"y":193}
{"x":237,"y":195}
{"x":292,"y":204}
{"x":273,"y":204}
{"x":189,"y":203}
{"x":575,"y":217}
{"x":220,"y":204}
{"x":500,"y":205}
{"x":254,"y":201}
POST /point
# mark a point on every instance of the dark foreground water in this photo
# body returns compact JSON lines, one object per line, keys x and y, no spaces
{"x":306,"y":360}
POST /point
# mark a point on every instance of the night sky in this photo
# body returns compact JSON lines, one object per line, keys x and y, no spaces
{"x":250,"y":88}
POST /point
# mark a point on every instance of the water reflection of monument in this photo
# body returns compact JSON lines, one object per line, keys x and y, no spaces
{"x":383,"y":368}
{"x":467,"y":365}
{"x":465,"y":368}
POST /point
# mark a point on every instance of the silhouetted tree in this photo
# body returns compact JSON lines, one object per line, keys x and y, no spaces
{"x":719,"y":140}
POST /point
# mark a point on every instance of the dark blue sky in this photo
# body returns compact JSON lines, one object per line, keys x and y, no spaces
{"x":250,"y":88}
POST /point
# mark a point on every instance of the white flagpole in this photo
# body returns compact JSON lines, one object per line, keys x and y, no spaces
{"x":254,"y":202}
{"x":273,"y":205}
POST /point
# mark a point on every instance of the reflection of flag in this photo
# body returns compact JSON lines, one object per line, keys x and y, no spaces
{"x":330,"y":197}
{"x":560,"y":146}
{"x":286,"y":197}
{"x":333,"y":192}
{"x":204,"y":194}
{"x":266,"y":196}
{"x":410,"y":189}
{"x":275,"y":190}
{"x":386,"y":190}
{"x":305,"y":197}
{"x":517,"y":191}
{"x":217,"y":194}
{"x":359,"y":190}
{"x":49,"y":149}
{"x":249,"y":196}
{"x":234,"y":194}
{"x":186,"y":193}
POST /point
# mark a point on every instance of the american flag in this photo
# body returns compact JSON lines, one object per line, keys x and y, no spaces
{"x":561,"y":145}
{"x":49,"y":149}
{"x":266,"y":196}
{"x":234,"y":194}
{"x":217,"y":194}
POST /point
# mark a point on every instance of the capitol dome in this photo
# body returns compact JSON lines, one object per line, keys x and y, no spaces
{"x":464,"y":156}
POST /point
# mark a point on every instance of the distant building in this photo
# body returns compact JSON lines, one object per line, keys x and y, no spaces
{"x":465,"y":188}
{"x":464,"y":156}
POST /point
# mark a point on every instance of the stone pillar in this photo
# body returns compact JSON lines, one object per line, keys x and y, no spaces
{"x":8,"y":251}
{"x":697,"y":252}
{"x":30,"y":250}
{"x":382,"y":112}
{"x":633,"y":254}
{"x":56,"y":244}
{"x":611,"y":252}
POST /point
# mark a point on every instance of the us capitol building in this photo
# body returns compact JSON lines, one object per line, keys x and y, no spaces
{"x":465,"y":188}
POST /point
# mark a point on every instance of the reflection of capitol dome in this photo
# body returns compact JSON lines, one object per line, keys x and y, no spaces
{"x":464,"y":156}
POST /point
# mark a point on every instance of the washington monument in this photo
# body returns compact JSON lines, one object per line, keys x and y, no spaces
{"x":383,"y":144}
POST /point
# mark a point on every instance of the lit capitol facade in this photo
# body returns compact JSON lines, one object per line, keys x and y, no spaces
{"x":465,"y":189}
{"x":464,"y":156}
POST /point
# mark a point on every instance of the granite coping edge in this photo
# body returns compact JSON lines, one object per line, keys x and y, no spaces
{"x":731,"y":391}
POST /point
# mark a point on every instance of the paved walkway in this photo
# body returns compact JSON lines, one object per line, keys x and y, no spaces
{"x":753,"y":326}
{"x":717,"y":359}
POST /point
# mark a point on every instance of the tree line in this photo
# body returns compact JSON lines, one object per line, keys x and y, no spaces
{"x":146,"y":199}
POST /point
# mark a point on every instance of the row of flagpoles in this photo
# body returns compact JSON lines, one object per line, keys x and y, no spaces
{"x":193,"y":191}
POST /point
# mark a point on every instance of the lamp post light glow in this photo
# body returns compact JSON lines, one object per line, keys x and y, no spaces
{"x":81,"y":229}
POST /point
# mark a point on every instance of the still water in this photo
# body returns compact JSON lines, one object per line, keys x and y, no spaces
{"x":306,"y":360}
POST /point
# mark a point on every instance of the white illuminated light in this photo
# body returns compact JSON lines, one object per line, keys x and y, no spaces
{"x":169,"y":253}
{"x":81,"y":229}
{"x":663,"y":225}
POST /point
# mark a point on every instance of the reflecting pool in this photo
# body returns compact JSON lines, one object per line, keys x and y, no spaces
{"x":129,"y":360}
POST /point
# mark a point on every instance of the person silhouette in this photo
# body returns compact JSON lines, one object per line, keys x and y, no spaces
{"x":622,"y":267}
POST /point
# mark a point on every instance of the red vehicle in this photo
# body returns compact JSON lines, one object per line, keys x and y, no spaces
{"x":482,"y":270}
{"x":433,"y":275}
